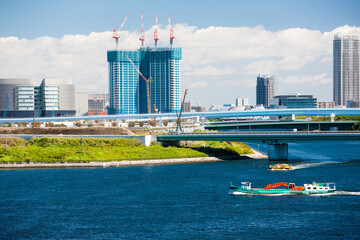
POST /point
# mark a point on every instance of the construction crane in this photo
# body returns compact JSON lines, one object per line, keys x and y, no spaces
{"x":156,"y":38}
{"x":178,"y":122}
{"x":171,"y":33}
{"x":116,"y":32}
{"x":6,"y":105}
{"x":147,"y":83}
{"x":142,"y":36}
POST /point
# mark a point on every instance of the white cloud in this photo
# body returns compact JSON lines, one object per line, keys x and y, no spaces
{"x":210,"y":54}
{"x":210,"y":70}
{"x":311,"y":79}
{"x":200,"y":84}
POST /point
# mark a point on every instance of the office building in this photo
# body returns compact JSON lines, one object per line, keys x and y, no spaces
{"x":346,"y":81}
{"x":39,"y":97}
{"x":326,"y":104}
{"x":241,"y":102}
{"x":265,"y":89}
{"x":98,"y":103}
{"x":81,"y":102}
{"x":127,"y":89}
{"x":294,"y":101}
{"x":187,"y":107}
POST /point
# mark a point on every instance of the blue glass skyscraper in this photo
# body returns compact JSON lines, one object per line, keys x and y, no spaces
{"x":127,"y":90}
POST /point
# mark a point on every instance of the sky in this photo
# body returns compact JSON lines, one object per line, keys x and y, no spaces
{"x":226,"y":44}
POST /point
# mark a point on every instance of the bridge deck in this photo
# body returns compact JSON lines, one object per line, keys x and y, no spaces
{"x":265,"y":137}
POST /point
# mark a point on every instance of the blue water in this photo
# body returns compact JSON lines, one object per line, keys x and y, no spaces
{"x":185,"y":201}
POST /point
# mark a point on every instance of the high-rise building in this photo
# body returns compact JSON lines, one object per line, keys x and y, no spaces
{"x":42,"y":97}
{"x":127,"y":90}
{"x":346,"y":80}
{"x":265,"y":89}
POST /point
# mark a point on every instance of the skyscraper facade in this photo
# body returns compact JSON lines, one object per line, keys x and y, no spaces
{"x":346,"y":82}
{"x":265,"y":89}
{"x":127,"y":90}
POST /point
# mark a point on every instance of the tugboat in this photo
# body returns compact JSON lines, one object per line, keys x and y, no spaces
{"x":287,"y":188}
{"x":280,"y":167}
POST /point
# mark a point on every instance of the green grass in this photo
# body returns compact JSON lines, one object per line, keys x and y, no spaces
{"x":71,"y":150}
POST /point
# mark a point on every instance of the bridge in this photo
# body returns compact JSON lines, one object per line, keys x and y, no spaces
{"x":220,"y":114}
{"x":277,"y":141}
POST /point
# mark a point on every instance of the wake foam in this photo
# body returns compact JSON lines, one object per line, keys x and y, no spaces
{"x":310,"y":165}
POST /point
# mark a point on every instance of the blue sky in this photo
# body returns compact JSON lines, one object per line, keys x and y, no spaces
{"x":226,"y":44}
{"x":36,"y":18}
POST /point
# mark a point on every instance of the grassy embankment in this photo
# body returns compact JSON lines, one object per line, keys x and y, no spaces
{"x":53,"y":150}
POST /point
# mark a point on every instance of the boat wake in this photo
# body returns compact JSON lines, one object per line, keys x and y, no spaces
{"x":310,"y":165}
{"x":338,"y":193}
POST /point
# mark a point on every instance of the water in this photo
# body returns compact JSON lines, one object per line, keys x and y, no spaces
{"x":185,"y":201}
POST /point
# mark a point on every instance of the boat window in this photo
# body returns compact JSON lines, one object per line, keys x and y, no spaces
{"x":309,"y":188}
{"x":314,"y":187}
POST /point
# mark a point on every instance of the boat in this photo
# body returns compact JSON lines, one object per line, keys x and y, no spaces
{"x":284,"y":188}
{"x":281,"y":167}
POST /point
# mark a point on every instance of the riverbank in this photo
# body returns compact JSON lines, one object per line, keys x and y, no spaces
{"x":255,"y":155}
{"x":97,"y":152}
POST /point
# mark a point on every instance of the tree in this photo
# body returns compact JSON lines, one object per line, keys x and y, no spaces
{"x":165,"y":122}
{"x":356,"y":126}
{"x":90,"y":124}
{"x":113,"y":124}
{"x":78,"y":124}
{"x":96,"y":121}
{"x":152,"y":123}
{"x":131,"y":124}
{"x":141,"y":124}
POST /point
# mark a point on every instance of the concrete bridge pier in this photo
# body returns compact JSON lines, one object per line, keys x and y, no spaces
{"x":170,"y":143}
{"x":277,"y":151}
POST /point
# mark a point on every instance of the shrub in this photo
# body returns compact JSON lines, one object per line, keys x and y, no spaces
{"x":90,"y":124}
{"x":131,"y":124}
{"x":96,"y":121}
{"x":78,"y":124}
{"x":165,"y":122}
{"x":141,"y":124}
{"x":152,"y":123}
{"x":49,"y":124}
{"x":113,"y":124}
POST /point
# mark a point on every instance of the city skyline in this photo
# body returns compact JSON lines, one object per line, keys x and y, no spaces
{"x":221,"y":60}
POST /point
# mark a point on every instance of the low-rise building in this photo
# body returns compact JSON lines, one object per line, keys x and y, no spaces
{"x":37,"y":97}
{"x":294,"y":101}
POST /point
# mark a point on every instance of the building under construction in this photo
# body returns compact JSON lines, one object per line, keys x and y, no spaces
{"x":131,"y":71}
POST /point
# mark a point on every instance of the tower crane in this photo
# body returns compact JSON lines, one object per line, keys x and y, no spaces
{"x":116,"y":32}
{"x":181,"y":110}
{"x":147,"y":83}
{"x":142,"y":36}
{"x":156,"y":38}
{"x":172,"y":36}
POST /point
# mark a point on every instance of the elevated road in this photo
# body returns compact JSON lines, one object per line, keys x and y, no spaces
{"x":265,"y":137}
{"x":226,"y":114}
{"x":277,"y":141}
